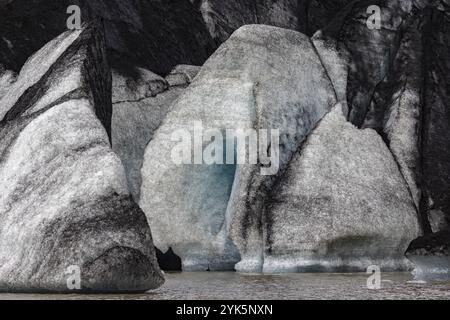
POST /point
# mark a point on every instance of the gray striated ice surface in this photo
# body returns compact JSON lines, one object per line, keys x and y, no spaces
{"x":249,"y":82}
{"x":333,"y":208}
{"x":64,"y":200}
{"x":140,"y":104}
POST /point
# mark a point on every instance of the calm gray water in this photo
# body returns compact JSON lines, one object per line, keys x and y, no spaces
{"x":214,"y":285}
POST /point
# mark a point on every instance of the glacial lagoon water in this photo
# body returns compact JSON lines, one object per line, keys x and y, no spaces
{"x":215,"y":285}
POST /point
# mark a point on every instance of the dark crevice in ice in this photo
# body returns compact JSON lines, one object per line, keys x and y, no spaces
{"x":168,"y":261}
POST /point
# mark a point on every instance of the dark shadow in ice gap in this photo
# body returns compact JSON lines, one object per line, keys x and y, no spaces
{"x":168,"y":261}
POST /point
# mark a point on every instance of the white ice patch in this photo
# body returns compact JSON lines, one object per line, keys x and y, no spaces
{"x":36,"y":67}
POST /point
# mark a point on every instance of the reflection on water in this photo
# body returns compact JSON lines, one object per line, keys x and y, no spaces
{"x":215,"y":285}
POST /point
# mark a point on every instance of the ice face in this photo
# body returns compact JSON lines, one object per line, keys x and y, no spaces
{"x":431,"y":268}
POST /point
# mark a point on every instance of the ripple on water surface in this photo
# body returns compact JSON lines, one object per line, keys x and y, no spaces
{"x":215,"y":285}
